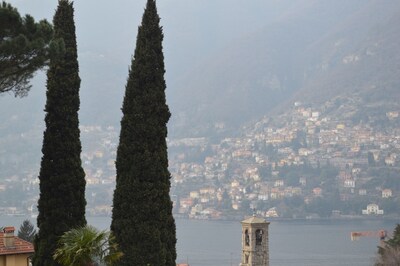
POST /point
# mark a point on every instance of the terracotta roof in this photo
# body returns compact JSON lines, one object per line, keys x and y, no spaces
{"x":20,"y":246}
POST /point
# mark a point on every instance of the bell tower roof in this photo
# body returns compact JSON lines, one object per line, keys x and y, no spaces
{"x":254,"y":220}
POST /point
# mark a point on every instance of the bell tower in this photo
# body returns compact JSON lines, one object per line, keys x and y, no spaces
{"x":255,"y":242}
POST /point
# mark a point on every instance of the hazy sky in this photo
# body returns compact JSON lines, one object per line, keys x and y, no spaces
{"x":106,"y":32}
{"x":192,"y":28}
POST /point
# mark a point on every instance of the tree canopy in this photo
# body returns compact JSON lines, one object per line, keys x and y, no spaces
{"x":24,"y":49}
{"x":389,"y":251}
{"x":27,"y":231}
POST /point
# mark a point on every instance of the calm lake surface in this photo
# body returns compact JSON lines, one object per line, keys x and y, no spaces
{"x":300,"y":243}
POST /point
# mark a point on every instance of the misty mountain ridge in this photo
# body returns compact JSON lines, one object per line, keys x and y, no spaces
{"x":300,"y":57}
{"x":228,"y":63}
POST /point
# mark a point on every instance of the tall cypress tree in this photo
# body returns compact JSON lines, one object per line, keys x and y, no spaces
{"x":142,"y":218}
{"x":62,"y":179}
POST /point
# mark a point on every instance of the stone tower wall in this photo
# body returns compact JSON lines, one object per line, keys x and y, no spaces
{"x":255,"y":253}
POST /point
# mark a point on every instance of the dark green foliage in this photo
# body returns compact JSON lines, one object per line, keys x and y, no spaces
{"x":389,"y":251}
{"x":142,"y":218}
{"x":371,"y":159}
{"x":27,"y":231}
{"x":394,"y":241}
{"x":321,"y":206}
{"x":24,"y":49}
{"x":386,"y":177}
{"x":299,"y":141}
{"x":62,"y":179}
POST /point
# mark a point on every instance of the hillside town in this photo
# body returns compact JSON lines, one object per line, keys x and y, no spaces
{"x":299,"y":165}
{"x":307,"y":163}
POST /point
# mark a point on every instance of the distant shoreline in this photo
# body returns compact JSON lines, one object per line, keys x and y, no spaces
{"x":343,"y":217}
{"x":235,"y":219}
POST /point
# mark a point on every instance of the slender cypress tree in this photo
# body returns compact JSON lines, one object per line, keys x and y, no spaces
{"x":62,"y":179}
{"x":142,"y":218}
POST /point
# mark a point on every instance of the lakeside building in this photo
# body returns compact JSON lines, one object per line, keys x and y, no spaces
{"x":372,"y":209}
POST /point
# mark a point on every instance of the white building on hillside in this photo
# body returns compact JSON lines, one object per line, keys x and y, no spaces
{"x":372,"y":209}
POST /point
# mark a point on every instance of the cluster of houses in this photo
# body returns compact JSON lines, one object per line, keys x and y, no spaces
{"x":234,"y":170}
{"x":211,"y":179}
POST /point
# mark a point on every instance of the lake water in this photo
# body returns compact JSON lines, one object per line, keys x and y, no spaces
{"x":300,"y":243}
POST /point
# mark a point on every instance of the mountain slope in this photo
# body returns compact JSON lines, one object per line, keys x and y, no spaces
{"x":311,"y":52}
{"x":357,"y":58}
